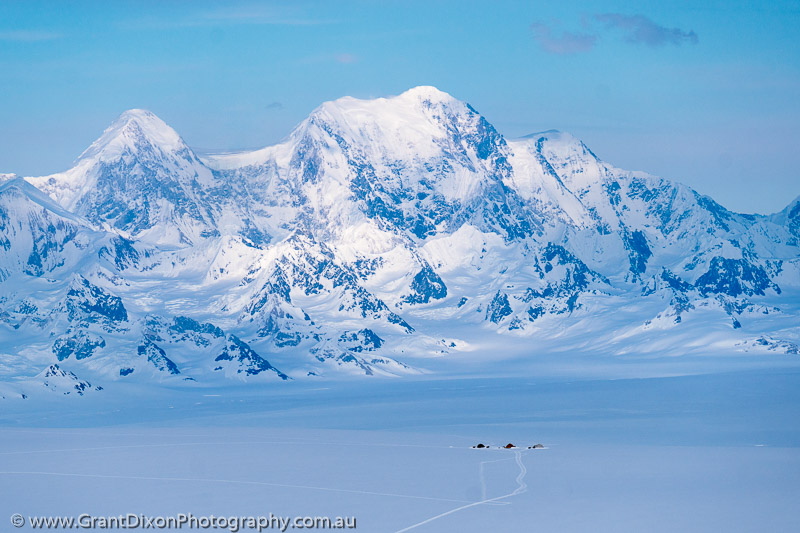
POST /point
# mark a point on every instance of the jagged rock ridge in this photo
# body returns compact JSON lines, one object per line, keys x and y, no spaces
{"x":378,"y":231}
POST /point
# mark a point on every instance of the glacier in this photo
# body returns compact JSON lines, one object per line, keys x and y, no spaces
{"x":329,"y":325}
{"x":400,"y":236}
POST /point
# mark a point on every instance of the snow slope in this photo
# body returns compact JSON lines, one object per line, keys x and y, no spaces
{"x":715,"y":451}
{"x":393,"y":236}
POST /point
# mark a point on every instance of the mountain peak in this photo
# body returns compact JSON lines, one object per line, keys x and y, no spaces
{"x":138,"y":177}
{"x":412,"y":98}
{"x":552,"y":135}
{"x":406,"y":118}
{"x":129,"y":132}
{"x":429,"y":93}
{"x":562,"y":142}
{"x":137,"y":114}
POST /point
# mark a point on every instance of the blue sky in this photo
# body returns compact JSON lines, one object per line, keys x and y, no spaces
{"x":707,"y":93}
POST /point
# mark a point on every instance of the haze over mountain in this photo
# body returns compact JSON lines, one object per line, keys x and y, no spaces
{"x":378,"y":235}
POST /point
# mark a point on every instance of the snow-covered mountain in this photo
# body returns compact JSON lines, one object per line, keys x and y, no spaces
{"x":378,"y":234}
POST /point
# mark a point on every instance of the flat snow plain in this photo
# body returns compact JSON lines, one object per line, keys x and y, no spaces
{"x":685,"y":444}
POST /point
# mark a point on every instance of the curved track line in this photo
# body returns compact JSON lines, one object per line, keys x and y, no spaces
{"x":118,"y":447}
{"x":227,"y":443}
{"x":483,"y":478}
{"x":521,"y":487}
{"x":232,"y":481}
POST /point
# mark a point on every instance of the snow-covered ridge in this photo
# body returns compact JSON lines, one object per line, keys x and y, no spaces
{"x":140,"y":179}
{"x":357,"y":117}
{"x":380,"y":234}
{"x":132,"y":127}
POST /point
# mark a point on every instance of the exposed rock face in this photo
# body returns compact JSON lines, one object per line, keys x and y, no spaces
{"x":378,"y":230}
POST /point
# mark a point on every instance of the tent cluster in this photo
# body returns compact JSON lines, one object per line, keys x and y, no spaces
{"x":508,"y":446}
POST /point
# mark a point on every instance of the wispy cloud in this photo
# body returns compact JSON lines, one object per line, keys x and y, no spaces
{"x":563,"y":42}
{"x":28,"y":36}
{"x":345,"y":58}
{"x":274,"y":106}
{"x":639,"y":29}
{"x":636,"y":30}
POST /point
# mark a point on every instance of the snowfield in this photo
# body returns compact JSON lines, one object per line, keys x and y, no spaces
{"x":381,"y":234}
{"x":326,"y":327}
{"x":706,"y":451}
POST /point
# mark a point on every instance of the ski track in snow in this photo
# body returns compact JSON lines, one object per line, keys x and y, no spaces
{"x":229,"y":481}
{"x":226,"y":443}
{"x":521,"y":487}
{"x":483,"y":479}
{"x":246,"y":482}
